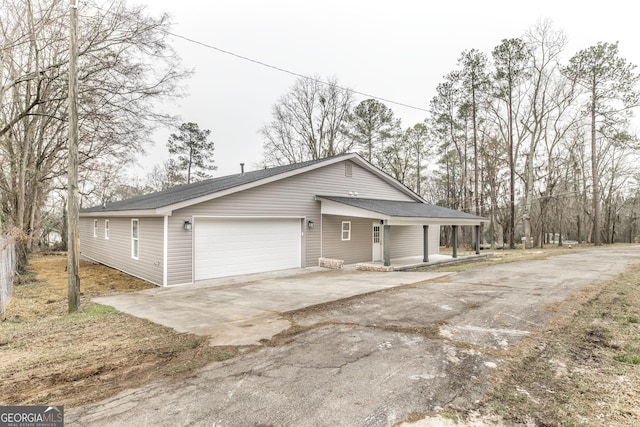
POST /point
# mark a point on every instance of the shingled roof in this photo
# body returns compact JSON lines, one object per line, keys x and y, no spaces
{"x":405,"y":209}
{"x":182,"y":193}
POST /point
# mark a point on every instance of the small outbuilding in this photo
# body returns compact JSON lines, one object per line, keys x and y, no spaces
{"x":284,"y":217}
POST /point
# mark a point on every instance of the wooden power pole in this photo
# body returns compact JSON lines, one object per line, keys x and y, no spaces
{"x":73,"y":257}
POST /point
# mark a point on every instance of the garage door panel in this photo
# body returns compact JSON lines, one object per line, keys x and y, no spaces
{"x":227,"y":247}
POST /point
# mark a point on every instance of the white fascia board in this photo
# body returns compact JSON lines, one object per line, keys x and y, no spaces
{"x":249,"y":216}
{"x":329,"y":207}
{"x":433,"y":221}
{"x":258,"y":183}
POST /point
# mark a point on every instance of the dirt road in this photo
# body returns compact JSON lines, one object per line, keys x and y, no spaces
{"x":376,"y":360}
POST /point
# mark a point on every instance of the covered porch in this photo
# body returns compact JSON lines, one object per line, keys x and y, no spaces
{"x":392,"y":213}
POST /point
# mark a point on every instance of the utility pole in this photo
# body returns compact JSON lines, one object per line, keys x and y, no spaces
{"x":73,"y":256}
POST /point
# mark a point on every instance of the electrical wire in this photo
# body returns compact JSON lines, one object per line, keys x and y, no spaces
{"x":280,"y":69}
{"x":293,"y":73}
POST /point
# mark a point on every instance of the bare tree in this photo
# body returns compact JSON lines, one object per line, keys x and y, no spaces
{"x":125,"y":64}
{"x":611,"y":86}
{"x":510,"y":59}
{"x":308,"y":123}
{"x":549,"y":116}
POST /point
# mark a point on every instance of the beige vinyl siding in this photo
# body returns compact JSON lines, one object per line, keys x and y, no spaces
{"x":116,"y":251}
{"x":434,"y":239}
{"x":406,"y":241}
{"x":289,"y":197}
{"x":358,"y":249}
{"x":179,"y":265}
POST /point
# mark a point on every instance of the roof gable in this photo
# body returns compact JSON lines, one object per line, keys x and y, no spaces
{"x":164,"y":202}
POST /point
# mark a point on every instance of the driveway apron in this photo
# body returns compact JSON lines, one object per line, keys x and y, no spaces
{"x":244,"y":313}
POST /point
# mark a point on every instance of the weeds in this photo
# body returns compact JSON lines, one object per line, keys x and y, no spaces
{"x":581,"y":371}
{"x":633,"y":359}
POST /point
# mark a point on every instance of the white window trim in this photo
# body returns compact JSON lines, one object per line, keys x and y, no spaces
{"x":348,"y":231}
{"x":95,"y":228}
{"x":106,"y":229}
{"x":348,"y":168}
{"x":135,"y":241}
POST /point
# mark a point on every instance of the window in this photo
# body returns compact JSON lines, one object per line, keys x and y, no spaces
{"x":376,"y":234}
{"x":95,"y":228}
{"x":135,"y":239}
{"x":346,"y":230}
{"x":106,"y":229}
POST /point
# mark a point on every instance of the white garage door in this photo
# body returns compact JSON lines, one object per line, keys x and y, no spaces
{"x":227,"y":247}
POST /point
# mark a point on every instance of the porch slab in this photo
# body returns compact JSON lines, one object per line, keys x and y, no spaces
{"x":408,"y":263}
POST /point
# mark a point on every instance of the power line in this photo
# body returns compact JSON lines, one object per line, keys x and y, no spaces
{"x":280,"y":69}
{"x":293,"y":73}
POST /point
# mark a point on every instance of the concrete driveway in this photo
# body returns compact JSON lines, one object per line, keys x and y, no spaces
{"x":245,"y":310}
{"x":378,"y":359}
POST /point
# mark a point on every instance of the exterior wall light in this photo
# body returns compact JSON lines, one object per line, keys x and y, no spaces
{"x":309,"y":224}
{"x":187,"y":225}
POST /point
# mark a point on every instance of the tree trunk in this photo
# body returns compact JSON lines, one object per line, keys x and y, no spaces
{"x":476,"y":192}
{"x":579,"y":223}
{"x":594,"y":172}
{"x":512,"y":177}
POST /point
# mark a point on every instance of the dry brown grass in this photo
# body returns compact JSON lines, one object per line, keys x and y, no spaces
{"x":582,"y":370}
{"x":50,"y":357}
{"x":42,"y":292}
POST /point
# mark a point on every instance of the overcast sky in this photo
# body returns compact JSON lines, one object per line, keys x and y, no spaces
{"x":398,"y":50}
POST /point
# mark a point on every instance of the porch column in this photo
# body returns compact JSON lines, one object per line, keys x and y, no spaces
{"x":477,"y":240}
{"x":386,"y":245}
{"x":454,"y":240}
{"x":425,"y":243}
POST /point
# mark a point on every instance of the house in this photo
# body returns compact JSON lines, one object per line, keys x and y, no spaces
{"x":290,"y":216}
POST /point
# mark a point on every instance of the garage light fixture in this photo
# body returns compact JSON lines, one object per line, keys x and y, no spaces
{"x":309,"y":224}
{"x":187,"y":225}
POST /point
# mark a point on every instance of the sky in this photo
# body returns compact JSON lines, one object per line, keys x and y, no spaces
{"x":398,"y":50}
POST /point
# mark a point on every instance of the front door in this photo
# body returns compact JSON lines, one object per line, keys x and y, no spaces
{"x":377,"y":242}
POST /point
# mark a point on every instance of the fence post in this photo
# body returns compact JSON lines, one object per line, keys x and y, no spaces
{"x":7,"y":271}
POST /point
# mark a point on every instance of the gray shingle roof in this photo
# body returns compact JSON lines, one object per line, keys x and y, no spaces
{"x":186,"y":192}
{"x":396,"y":208}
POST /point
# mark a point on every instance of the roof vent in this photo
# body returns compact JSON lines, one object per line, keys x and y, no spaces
{"x":242,"y":169}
